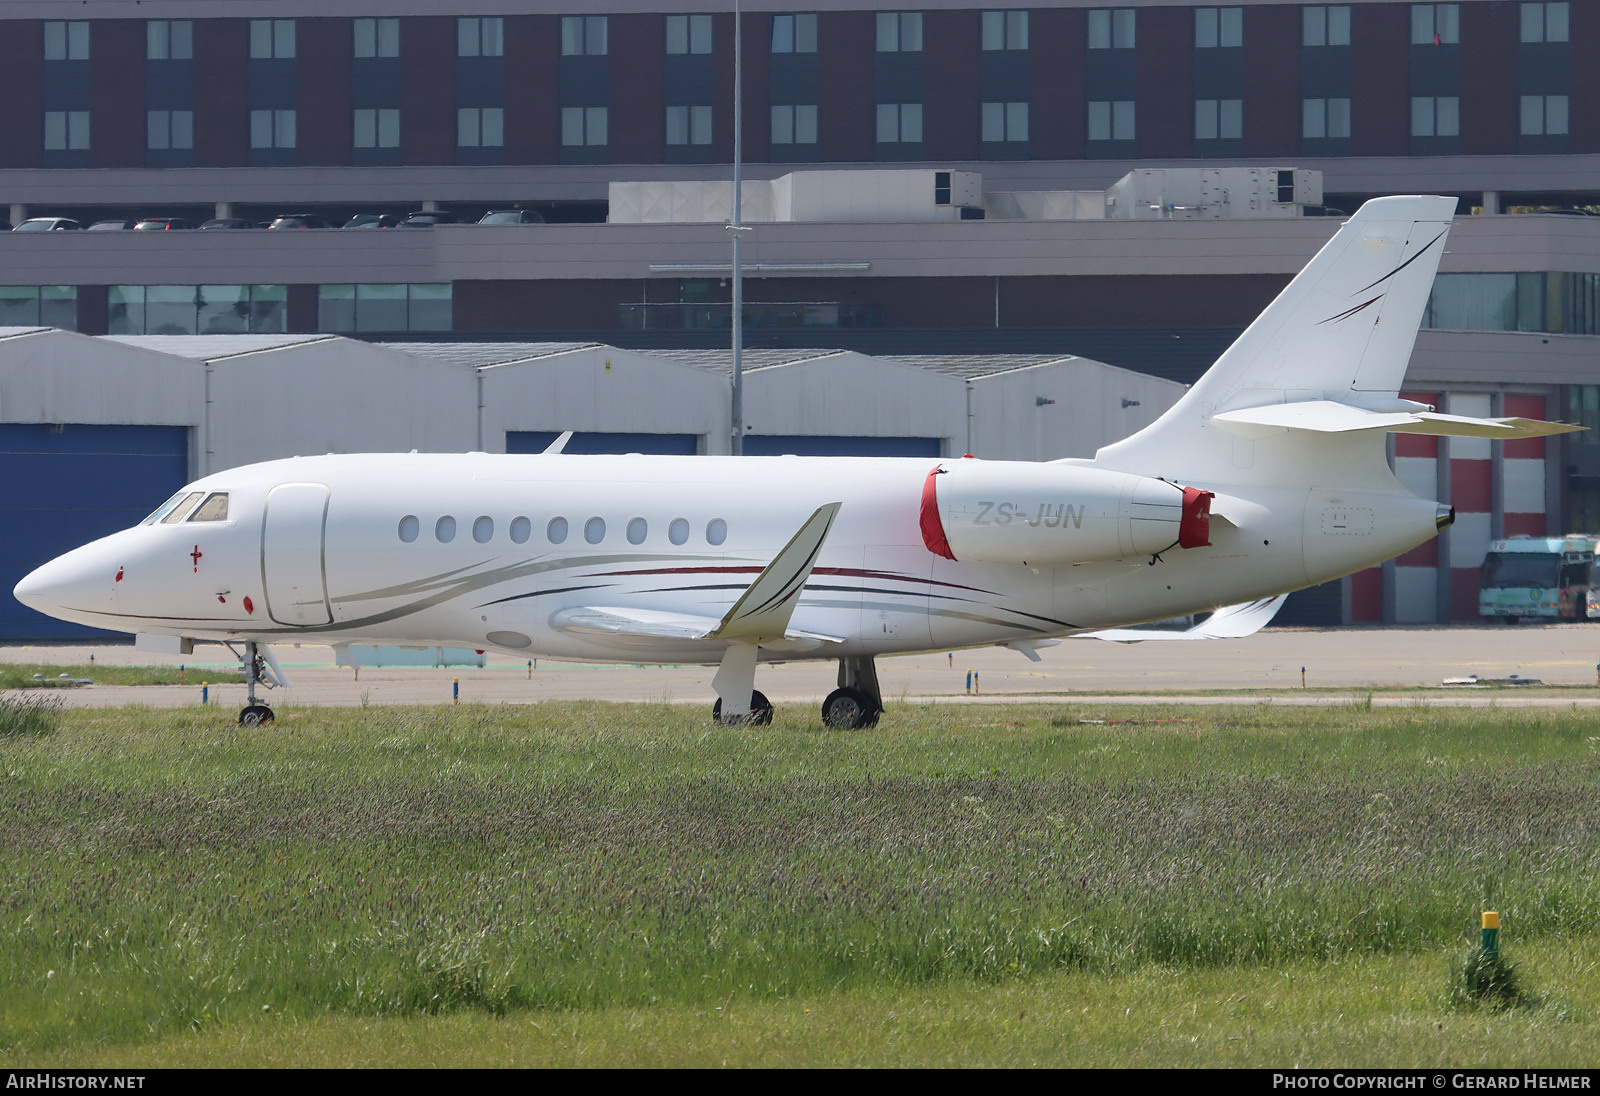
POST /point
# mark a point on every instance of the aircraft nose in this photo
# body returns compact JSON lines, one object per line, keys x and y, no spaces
{"x":65,"y":582}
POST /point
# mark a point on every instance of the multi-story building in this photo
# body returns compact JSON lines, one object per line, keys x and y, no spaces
{"x":245,"y":108}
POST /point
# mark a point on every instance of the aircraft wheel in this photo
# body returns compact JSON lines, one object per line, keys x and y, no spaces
{"x":256,"y":715}
{"x":760,"y":711}
{"x":849,"y":709}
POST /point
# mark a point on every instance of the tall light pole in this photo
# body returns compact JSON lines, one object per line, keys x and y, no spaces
{"x":736,"y":229}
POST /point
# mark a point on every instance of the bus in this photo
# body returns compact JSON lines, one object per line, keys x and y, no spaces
{"x":1541,"y":578}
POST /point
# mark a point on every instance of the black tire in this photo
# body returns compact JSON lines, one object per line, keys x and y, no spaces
{"x":849,"y":709}
{"x":760,"y":711}
{"x":256,"y":715}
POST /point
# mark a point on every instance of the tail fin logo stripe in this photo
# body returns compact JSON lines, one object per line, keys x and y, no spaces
{"x":1347,"y":313}
{"x":1405,"y":264}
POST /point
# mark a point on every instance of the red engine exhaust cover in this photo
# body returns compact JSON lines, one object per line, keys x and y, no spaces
{"x":1194,"y":529}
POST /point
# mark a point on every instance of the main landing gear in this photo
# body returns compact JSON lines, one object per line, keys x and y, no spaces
{"x":255,"y":713}
{"x":857,"y":702}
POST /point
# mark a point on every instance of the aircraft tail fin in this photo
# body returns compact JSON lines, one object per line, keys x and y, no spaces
{"x":1341,"y":331}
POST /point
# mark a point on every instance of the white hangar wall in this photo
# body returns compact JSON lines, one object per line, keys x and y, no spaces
{"x":1085,"y":404}
{"x":286,"y":396}
{"x":603,"y":390}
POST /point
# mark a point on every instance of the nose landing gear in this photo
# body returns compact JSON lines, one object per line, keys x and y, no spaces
{"x":255,"y":713}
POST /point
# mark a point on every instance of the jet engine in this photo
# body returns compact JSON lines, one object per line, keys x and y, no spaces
{"x":1048,"y":515}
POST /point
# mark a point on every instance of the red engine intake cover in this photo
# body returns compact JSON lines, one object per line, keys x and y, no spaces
{"x":932,"y":528}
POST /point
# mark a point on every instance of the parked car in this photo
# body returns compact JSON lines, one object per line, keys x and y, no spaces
{"x":372,"y":220}
{"x":113,"y":225}
{"x":47,"y":224}
{"x":299,"y":220}
{"x":162,"y":224}
{"x":427,"y":219}
{"x":228,"y":222}
{"x":512,"y":217}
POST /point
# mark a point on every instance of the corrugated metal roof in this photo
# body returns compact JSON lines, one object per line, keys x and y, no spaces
{"x":721,"y":361}
{"x":970,"y":366}
{"x":13,"y":332}
{"x":210,"y":348}
{"x":478,"y":355}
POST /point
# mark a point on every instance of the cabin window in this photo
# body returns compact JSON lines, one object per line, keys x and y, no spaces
{"x":594,"y":530}
{"x":521,"y":529}
{"x":215,"y":508}
{"x":678,"y":531}
{"x":716,"y":531}
{"x":557,"y":532}
{"x":638,"y":529}
{"x":177,"y":513}
{"x":409,"y":528}
{"x":445,"y":529}
{"x":483,"y":530}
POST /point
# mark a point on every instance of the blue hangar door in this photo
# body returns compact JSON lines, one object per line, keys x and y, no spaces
{"x":829,"y":445}
{"x":62,"y":486}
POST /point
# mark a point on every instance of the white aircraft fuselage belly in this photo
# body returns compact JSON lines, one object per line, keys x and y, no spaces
{"x":312,"y":551}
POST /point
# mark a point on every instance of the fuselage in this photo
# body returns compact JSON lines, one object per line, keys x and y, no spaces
{"x":490,"y":551}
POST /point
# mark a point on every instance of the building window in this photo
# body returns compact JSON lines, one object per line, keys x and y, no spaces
{"x":794,"y":124}
{"x":483,"y":37}
{"x":899,"y":32}
{"x":1544,"y":22}
{"x":169,"y":129}
{"x":66,"y":130}
{"x":1111,"y":121}
{"x":583,"y":36}
{"x":481,"y":127}
{"x":1005,"y":122}
{"x":168,"y":40}
{"x":1005,"y":30}
{"x":66,"y":41}
{"x":1435,"y":24}
{"x":688,"y":125}
{"x":39,"y":306}
{"x":1325,"y":118}
{"x":794,"y":34}
{"x":1435,"y":116}
{"x":272,"y":129}
{"x":272,"y":38}
{"x":1111,"y":28}
{"x":1544,"y":115}
{"x":583,"y":126}
{"x":377,"y":128}
{"x":688,"y":34}
{"x":1217,"y":27}
{"x":384,"y":307}
{"x":377,"y":38}
{"x":1218,"y":119}
{"x":1325,"y":25}
{"x":899,"y":123}
{"x":197,"y":309}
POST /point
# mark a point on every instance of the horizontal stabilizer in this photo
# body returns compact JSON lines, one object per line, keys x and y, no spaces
{"x":1332,"y":417}
{"x":1229,"y":622}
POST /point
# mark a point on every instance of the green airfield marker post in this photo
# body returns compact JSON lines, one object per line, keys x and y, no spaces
{"x":1491,"y":935}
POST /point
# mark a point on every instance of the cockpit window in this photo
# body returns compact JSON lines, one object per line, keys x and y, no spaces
{"x":181,"y":507}
{"x":165,"y":508}
{"x":215,"y":508}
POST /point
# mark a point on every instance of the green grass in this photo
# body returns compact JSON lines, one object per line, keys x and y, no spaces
{"x":167,"y":880}
{"x":21,"y":675}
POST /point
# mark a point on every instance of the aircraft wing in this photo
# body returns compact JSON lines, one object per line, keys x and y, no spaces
{"x":1229,"y":622}
{"x":760,"y":615}
{"x":621,"y":620}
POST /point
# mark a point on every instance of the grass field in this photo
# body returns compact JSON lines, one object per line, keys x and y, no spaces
{"x":631,"y":884}
{"x":21,"y":675}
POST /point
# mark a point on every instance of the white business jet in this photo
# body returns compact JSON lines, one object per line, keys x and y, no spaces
{"x":1269,"y":475}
